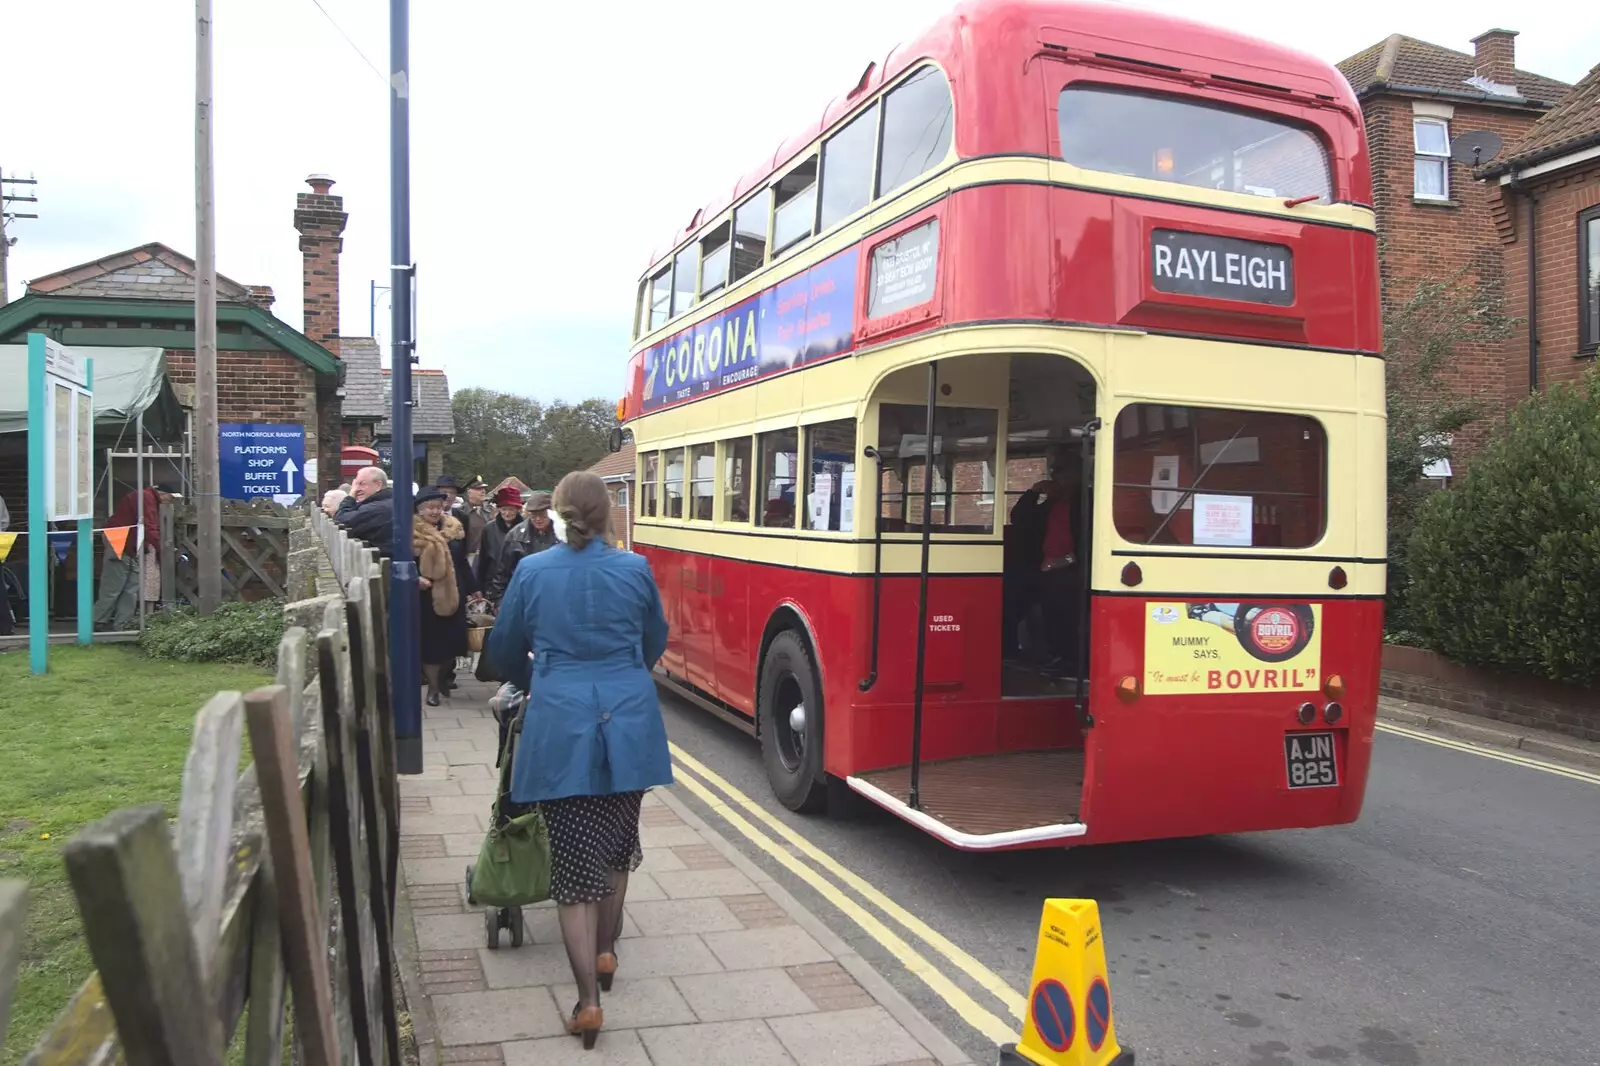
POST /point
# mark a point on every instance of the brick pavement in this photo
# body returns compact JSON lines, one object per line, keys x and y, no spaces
{"x":718,"y":965}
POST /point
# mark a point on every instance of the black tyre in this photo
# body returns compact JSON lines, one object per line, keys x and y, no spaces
{"x":491,"y":928}
{"x":516,"y":926}
{"x":793,"y":756}
{"x":1272,"y":632}
{"x":470,"y":901}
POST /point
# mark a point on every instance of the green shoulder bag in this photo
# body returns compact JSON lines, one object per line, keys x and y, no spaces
{"x":513,"y":867}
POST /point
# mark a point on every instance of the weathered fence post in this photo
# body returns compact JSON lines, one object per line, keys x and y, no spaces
{"x":205,"y":821}
{"x":13,"y":909}
{"x":125,"y":876}
{"x":277,"y":772}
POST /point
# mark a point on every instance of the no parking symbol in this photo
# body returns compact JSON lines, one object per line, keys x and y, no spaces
{"x":1053,"y":1016}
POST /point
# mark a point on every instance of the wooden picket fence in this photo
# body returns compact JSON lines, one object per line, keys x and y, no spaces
{"x":255,"y":550}
{"x":285,"y":873}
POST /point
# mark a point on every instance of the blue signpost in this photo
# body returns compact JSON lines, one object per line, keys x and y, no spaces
{"x":60,"y":482}
{"x":257,"y":459}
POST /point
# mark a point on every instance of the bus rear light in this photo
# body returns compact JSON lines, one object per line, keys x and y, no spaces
{"x":1332,"y":713}
{"x":1308,"y":713}
{"x":1131,"y":574}
{"x":1337,"y":578}
{"x":1128,"y":689}
{"x":1333,"y":687}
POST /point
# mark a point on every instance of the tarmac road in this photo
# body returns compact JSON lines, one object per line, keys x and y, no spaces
{"x":1457,"y":922}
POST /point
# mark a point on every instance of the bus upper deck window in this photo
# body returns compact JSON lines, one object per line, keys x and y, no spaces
{"x":714,"y":252}
{"x":794,"y":203}
{"x":684,"y":267}
{"x":847,"y":168}
{"x":1165,"y":138}
{"x":1213,"y":477}
{"x":917,"y":121}
{"x":661,"y":298}
{"x":750,"y":236}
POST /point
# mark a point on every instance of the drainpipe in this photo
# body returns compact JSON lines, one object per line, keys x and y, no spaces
{"x":1533,"y":283}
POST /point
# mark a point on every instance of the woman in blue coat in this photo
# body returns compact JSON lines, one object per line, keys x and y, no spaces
{"x":592,"y":737}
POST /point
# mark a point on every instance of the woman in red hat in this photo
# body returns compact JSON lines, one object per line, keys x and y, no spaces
{"x":508,"y":515}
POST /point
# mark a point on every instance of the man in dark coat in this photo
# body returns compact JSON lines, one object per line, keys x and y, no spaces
{"x":368,"y":512}
{"x":528,"y":538}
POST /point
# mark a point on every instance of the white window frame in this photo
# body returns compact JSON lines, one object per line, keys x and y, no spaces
{"x":1418,"y":155}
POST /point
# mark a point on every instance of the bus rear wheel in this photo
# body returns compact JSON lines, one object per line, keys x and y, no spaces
{"x":790,"y":721}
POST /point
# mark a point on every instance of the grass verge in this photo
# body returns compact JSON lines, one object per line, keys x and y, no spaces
{"x":107,"y":727}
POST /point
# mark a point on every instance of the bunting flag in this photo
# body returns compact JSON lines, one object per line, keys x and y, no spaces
{"x":62,"y":543}
{"x":117,"y":537}
{"x":6,"y":541}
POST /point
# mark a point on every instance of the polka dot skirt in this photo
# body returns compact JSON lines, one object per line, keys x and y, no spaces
{"x":589,"y":837}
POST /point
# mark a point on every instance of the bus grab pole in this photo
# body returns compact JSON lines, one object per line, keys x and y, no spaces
{"x":915,"y":798}
{"x":871,"y":679}
{"x":1085,"y":568}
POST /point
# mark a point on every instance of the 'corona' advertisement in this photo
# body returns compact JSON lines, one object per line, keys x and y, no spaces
{"x":1232,"y":647}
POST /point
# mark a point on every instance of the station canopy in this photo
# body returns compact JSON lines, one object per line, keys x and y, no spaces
{"x":127,"y":382}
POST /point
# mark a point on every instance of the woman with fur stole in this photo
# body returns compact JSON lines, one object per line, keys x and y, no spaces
{"x":440,"y":543}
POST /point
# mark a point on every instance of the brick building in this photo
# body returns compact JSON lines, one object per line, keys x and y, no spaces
{"x":267,"y":371}
{"x":1545,"y":196}
{"x":1433,"y":218}
{"x":616,"y":469}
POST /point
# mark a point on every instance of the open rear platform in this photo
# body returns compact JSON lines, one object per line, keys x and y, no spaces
{"x":988,"y":802}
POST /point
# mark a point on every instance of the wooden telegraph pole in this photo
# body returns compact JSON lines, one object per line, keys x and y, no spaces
{"x":208,"y":501}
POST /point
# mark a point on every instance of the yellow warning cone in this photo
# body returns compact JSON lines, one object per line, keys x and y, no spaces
{"x":1069,"y":1021}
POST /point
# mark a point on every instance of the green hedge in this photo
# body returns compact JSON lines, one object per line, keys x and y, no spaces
{"x":236,"y":633}
{"x":1505,"y":567}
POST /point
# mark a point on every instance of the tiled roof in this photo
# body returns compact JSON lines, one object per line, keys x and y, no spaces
{"x":363,"y":379}
{"x":1571,"y":125}
{"x":150,"y":272}
{"x":1400,"y":64}
{"x":431,"y":417}
{"x":615,"y":464}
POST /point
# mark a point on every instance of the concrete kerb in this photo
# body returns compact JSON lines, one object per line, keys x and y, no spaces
{"x":1431,"y":720}
{"x":408,"y":957}
{"x":871,"y":981}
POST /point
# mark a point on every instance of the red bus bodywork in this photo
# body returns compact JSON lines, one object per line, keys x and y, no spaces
{"x":1162,"y":766}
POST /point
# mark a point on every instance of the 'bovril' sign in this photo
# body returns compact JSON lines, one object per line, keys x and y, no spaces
{"x":1221,"y":268}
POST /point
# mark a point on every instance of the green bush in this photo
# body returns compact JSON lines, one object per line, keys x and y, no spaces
{"x":236,"y":633}
{"x":1505,"y":567}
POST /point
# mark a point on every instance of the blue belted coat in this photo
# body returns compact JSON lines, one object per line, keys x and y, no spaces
{"x":593,"y":621}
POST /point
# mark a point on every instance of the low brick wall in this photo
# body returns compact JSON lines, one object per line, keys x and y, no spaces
{"x":1426,"y":677}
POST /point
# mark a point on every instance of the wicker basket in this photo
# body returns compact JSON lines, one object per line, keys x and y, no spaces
{"x":475,"y":637}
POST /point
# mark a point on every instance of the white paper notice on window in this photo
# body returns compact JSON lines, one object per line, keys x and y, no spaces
{"x":1164,"y":483}
{"x":847,"y":501}
{"x":1223,"y":521}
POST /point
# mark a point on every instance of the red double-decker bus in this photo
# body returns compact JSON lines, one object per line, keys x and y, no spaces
{"x":1011,"y":443}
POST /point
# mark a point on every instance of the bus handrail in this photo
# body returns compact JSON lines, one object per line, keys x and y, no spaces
{"x":866,"y":683}
{"x":914,"y":799}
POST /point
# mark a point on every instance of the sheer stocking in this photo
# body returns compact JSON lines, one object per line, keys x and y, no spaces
{"x":430,"y":673}
{"x":611,"y":912}
{"x":580,"y":932}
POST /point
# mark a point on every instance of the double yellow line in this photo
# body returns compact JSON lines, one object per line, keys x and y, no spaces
{"x":727,"y":802}
{"x":1488,"y":753}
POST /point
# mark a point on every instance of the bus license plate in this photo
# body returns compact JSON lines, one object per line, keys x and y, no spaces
{"x":1310,"y":760}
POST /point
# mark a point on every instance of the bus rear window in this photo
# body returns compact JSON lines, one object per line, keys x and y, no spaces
{"x":1163,"y":138}
{"x":1211,"y":477}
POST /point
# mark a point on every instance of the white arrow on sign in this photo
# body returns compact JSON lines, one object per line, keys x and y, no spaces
{"x":288,"y":475}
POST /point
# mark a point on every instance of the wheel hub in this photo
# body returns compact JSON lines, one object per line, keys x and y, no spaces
{"x":797,"y":718}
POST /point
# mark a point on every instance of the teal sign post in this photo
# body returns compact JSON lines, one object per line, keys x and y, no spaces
{"x":60,"y":481}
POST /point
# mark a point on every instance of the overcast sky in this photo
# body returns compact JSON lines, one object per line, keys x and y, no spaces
{"x":551,"y":151}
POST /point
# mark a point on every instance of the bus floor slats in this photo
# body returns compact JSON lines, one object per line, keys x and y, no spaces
{"x":994,"y":793}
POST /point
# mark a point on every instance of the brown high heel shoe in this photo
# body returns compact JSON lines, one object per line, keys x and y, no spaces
{"x":605,"y":965}
{"x":586,"y":1022}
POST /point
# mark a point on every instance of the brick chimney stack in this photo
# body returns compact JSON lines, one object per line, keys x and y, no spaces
{"x":1495,"y":55}
{"x":262,"y":294}
{"x":320,"y":218}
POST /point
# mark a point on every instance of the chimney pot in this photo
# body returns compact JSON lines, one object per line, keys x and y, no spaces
{"x":320,"y":184}
{"x":1494,"y":55}
{"x":263,"y":295}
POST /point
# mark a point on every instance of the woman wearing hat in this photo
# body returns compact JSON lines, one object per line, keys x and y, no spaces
{"x":592,"y":737}
{"x":508,"y":515}
{"x":440,"y":543}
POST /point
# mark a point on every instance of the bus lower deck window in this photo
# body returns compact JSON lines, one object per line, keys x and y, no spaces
{"x":775,"y":486}
{"x":649,"y":484}
{"x":702,"y":480}
{"x":831,"y":476}
{"x":673,"y":484}
{"x":736,"y":480}
{"x":1219,"y":478}
{"x":964,"y":449}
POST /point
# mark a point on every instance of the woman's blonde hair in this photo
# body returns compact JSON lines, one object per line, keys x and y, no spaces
{"x":585,"y":506}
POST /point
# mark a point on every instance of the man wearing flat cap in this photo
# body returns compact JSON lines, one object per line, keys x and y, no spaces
{"x":529,"y":538}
